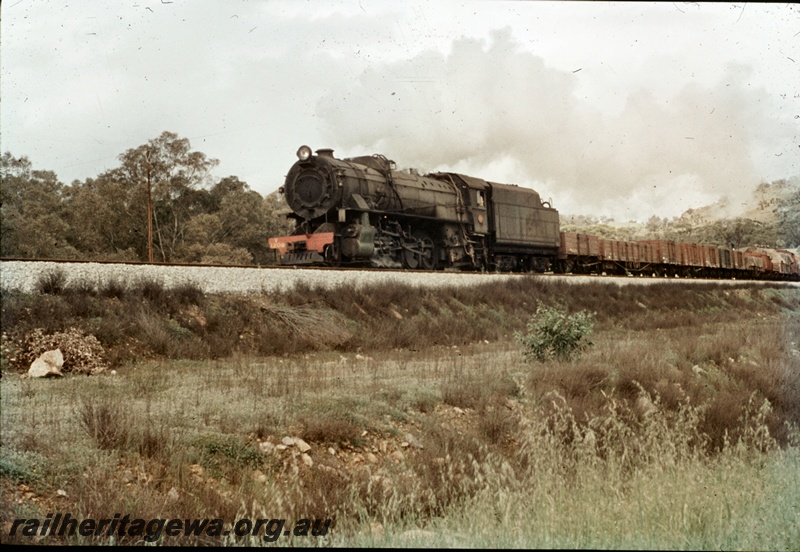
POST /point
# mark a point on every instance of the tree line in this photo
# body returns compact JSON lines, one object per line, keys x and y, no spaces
{"x":197,"y":219}
{"x":194,"y":217}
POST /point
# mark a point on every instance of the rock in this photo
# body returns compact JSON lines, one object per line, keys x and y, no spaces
{"x":61,"y":492}
{"x":398,"y":456}
{"x":698,"y":371}
{"x":332,"y":451}
{"x":371,"y":458}
{"x":266,"y":447}
{"x":396,"y":314}
{"x":281,"y":447}
{"x":645,"y":406}
{"x":49,"y":363}
{"x":259,"y":476}
{"x":307,"y":460}
{"x":458,"y":411}
{"x":197,"y":471}
{"x":127,"y":476}
{"x":173,"y":495}
{"x":288,"y":441}
{"x":411,"y":440}
{"x":301,"y":445}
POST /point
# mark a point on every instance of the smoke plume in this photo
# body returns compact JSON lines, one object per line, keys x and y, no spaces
{"x":494,"y":110}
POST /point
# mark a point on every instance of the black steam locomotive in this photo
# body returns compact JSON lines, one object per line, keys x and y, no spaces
{"x":363,"y":211}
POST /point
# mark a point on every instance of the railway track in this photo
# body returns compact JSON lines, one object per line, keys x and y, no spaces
{"x":24,"y":274}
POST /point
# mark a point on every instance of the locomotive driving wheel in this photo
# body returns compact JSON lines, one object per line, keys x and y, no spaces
{"x":421,"y":254}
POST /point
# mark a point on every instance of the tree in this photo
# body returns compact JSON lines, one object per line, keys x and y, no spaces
{"x":239,"y":218}
{"x":32,"y":221}
{"x":738,"y":232}
{"x":106,"y":217}
{"x":175,"y":175}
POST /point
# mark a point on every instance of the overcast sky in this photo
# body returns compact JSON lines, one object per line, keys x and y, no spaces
{"x":609,"y":108}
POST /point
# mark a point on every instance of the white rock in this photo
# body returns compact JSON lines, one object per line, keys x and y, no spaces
{"x":49,"y":363}
{"x":301,"y":445}
{"x":411,"y":440}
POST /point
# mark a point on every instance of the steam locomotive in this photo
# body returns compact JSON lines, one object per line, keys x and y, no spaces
{"x":362,"y":211}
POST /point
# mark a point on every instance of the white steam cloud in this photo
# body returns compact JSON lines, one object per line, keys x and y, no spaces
{"x":499,"y":112}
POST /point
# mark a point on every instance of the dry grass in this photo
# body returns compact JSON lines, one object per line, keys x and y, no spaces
{"x":464,"y":442}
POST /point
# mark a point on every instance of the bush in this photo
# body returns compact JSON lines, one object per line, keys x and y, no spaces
{"x":82,"y":353}
{"x":52,"y":282}
{"x":554,"y":333}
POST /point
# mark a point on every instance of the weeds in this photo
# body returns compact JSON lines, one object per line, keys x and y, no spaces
{"x":105,"y":421}
{"x":52,"y":282}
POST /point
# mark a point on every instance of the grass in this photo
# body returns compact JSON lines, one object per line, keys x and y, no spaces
{"x":676,"y":429}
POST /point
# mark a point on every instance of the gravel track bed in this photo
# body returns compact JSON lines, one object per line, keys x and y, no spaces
{"x":23,"y":276}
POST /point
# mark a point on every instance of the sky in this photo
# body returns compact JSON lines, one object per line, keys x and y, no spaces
{"x":611,"y":109}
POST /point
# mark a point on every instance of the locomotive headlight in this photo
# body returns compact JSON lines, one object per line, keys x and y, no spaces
{"x":303,"y":153}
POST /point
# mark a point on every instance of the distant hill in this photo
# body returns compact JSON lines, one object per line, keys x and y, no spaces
{"x":769,"y":218}
{"x":766,"y":199}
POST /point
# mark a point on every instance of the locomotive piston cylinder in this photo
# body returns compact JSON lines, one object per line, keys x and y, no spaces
{"x":358,"y":240}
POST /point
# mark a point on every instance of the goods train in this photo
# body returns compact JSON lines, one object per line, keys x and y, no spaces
{"x":362,"y":211}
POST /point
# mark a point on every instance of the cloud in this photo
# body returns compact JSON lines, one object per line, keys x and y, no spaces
{"x":493,"y":109}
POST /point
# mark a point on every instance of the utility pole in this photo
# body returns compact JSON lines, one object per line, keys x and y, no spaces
{"x":149,"y":211}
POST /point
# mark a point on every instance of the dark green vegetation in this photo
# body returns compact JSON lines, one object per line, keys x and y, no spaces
{"x":196,"y":218}
{"x":676,"y":429}
{"x":553,"y":333}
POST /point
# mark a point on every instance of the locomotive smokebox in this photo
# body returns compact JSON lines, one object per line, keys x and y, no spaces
{"x":311,"y":188}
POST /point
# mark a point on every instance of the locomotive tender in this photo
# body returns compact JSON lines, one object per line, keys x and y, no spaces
{"x":363,"y":211}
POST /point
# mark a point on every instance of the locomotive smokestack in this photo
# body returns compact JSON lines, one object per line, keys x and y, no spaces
{"x":325,"y":152}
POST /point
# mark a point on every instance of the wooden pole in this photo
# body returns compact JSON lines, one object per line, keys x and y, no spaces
{"x":149,"y":212}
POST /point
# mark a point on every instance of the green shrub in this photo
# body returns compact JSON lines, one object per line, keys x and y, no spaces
{"x":554,"y":333}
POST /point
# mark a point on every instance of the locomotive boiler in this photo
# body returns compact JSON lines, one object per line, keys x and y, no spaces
{"x":362,"y":210}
